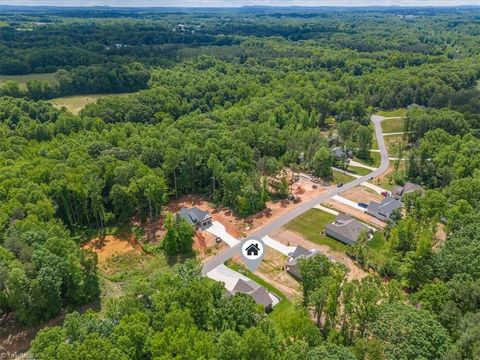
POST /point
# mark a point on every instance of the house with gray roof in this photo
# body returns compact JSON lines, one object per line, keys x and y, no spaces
{"x":196,"y":217}
{"x":409,"y":187}
{"x":346,"y":229}
{"x":384,"y":209}
{"x":257,"y":292}
{"x":292,"y":266}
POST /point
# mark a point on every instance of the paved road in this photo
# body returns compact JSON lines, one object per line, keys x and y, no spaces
{"x":304,"y":207}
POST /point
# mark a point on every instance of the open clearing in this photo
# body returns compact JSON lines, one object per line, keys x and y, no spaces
{"x":291,"y":237}
{"x":393,"y":125}
{"x":23,"y":79}
{"x":76,"y":103}
{"x":339,"y":177}
{"x":358,"y":170}
{"x":311,"y":224}
{"x":362,"y":194}
{"x":304,"y":189}
{"x":374,"y":160}
{"x":386,"y":180}
{"x":393,"y":142}
{"x":393,"y":113}
{"x":111,"y":246}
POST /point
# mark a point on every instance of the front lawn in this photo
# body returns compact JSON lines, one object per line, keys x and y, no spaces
{"x":311,"y":224}
{"x":393,"y":125}
{"x":393,"y":113}
{"x":374,"y":160}
{"x":358,"y":170}
{"x":339,"y":177}
{"x":377,"y":250}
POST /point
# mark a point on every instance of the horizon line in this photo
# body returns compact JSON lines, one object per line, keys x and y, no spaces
{"x":240,"y":6}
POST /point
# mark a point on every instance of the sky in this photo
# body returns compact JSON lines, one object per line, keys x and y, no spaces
{"x":235,"y":3}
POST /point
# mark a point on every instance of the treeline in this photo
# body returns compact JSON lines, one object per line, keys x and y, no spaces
{"x":189,"y":316}
{"x":160,"y":38}
{"x":104,"y":78}
{"x":185,"y":316}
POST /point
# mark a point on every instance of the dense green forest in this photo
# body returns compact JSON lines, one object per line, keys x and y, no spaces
{"x":223,"y":98}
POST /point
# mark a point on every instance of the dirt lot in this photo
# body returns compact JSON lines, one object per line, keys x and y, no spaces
{"x":111,"y":246}
{"x":362,"y":194}
{"x":355,"y":213}
{"x":238,"y":227}
{"x":293,"y":238}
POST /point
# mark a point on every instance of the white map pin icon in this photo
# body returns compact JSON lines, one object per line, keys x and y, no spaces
{"x":253,"y":251}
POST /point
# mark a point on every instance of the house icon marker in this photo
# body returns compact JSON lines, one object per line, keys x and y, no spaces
{"x":253,"y":250}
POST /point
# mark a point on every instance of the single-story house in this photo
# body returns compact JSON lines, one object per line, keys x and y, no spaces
{"x":292,"y":266}
{"x":235,"y":283}
{"x":409,"y":187}
{"x":196,"y":217}
{"x":346,"y":229}
{"x":338,"y":153}
{"x":257,"y":292}
{"x":384,"y":209}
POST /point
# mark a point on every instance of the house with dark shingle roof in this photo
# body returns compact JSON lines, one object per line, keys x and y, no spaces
{"x":196,"y":217}
{"x":346,"y":229}
{"x":409,"y":187}
{"x":292,"y":265}
{"x":257,"y":292}
{"x":384,"y":209}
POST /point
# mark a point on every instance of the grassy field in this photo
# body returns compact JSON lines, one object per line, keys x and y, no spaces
{"x":359,"y":170}
{"x":339,"y":177}
{"x":393,"y":125}
{"x":377,"y":249}
{"x":375,"y":159}
{"x":76,"y":103}
{"x":393,"y":113}
{"x":22,"y":79}
{"x":392,"y":143}
{"x":311,"y":224}
{"x":388,"y":182}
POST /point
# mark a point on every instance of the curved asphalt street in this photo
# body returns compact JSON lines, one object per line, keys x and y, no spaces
{"x":300,"y":209}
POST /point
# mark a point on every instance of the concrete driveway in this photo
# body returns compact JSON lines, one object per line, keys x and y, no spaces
{"x":347,"y":202}
{"x":219,"y":230}
{"x":274,"y":244}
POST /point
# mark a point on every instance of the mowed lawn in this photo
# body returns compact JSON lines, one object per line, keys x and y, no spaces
{"x":393,"y":113}
{"x":339,"y":177}
{"x":358,"y":170}
{"x":375,"y":159}
{"x":377,"y":249}
{"x":393,"y":125}
{"x":23,"y":79}
{"x":311,"y":224}
{"x":76,"y":103}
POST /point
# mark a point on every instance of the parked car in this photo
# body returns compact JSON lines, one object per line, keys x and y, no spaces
{"x":340,"y":185}
{"x":363,"y":205}
{"x":385,"y":193}
{"x":291,"y":197}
